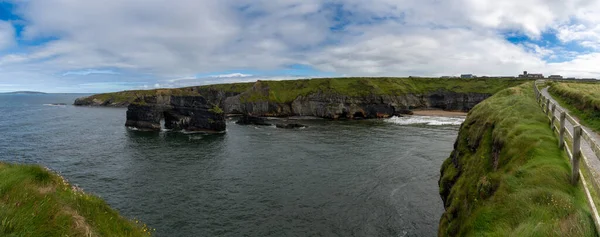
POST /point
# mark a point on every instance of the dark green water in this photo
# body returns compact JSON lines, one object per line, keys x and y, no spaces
{"x":354,"y":178}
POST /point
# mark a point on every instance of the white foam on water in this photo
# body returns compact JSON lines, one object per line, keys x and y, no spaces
{"x":426,"y":120}
{"x":57,"y":105}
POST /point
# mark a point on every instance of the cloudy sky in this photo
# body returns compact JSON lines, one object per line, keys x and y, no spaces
{"x":110,"y":45}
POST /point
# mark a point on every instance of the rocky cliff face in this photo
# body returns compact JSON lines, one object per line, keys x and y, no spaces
{"x":256,"y":102}
{"x":190,"y":113}
{"x":260,"y":100}
{"x":507,"y":177}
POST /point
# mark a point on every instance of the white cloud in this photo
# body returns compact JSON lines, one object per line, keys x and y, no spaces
{"x":7,"y":35}
{"x":184,"y":79}
{"x":163,"y":41}
{"x":231,"y":75}
{"x":585,"y":66}
{"x":89,"y":72}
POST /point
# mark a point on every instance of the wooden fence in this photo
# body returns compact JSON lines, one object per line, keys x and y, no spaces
{"x":571,"y":142}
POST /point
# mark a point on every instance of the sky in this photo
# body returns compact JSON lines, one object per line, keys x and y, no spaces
{"x":112,"y":45}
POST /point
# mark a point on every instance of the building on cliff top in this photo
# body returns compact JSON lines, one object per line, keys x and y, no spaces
{"x":532,"y":75}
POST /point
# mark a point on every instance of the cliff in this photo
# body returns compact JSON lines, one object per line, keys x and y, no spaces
{"x":37,"y":202}
{"x":125,"y":98}
{"x":330,"y":97}
{"x":507,"y":176}
{"x":265,"y":99}
{"x":190,"y":113}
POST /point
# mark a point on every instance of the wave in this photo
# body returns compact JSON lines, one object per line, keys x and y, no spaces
{"x":59,"y":105}
{"x":133,"y":128}
{"x":426,"y":120}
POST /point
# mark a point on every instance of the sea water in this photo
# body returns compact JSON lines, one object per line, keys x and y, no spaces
{"x":334,"y":178}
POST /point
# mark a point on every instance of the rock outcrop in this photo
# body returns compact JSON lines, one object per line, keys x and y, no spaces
{"x":326,"y":98}
{"x":290,"y":125}
{"x":338,"y":106}
{"x":252,"y":120}
{"x":189,"y":113}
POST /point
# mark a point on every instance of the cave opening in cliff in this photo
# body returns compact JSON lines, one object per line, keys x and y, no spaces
{"x":344,"y":114}
{"x":358,"y":115}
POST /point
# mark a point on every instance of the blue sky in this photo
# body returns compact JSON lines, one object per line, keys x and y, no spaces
{"x":100,"y":46}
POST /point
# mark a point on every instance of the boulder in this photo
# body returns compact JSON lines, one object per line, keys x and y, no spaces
{"x":252,"y":120}
{"x":290,"y":125}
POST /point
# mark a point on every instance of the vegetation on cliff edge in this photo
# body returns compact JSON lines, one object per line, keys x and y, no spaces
{"x":288,"y":90}
{"x":581,"y":99}
{"x":507,"y":176}
{"x":37,"y":202}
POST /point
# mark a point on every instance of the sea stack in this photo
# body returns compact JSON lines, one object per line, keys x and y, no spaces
{"x":189,"y":113}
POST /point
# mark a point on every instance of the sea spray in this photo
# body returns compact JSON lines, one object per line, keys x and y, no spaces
{"x":426,"y":120}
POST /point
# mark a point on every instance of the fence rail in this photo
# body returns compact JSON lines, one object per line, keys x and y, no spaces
{"x":571,"y":142}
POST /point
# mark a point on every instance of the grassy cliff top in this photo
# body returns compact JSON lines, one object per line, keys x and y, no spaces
{"x":37,"y":202}
{"x":507,"y":176}
{"x":588,"y":94}
{"x":288,"y":90}
{"x":581,"y":99}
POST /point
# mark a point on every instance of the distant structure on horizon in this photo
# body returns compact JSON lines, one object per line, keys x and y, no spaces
{"x":555,"y":77}
{"x":467,"y":76}
{"x":527,"y":75}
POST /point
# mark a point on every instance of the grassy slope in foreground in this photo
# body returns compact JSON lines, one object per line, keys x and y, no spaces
{"x":581,"y":99}
{"x":37,"y":202}
{"x":287,"y":91}
{"x":507,"y":177}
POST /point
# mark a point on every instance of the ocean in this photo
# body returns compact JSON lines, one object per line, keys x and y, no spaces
{"x":333,"y":178}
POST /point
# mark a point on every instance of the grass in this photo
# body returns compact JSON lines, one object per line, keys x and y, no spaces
{"x":37,"y":202}
{"x":507,"y":176}
{"x":126,"y":97}
{"x":581,"y":99}
{"x":288,"y":90}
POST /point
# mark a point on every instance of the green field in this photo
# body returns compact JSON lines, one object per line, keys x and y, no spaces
{"x":507,"y":176}
{"x":287,"y":91}
{"x":581,"y":99}
{"x":37,"y":202}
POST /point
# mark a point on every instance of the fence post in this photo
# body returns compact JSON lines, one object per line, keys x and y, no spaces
{"x":553,"y":117}
{"x":576,"y":154}
{"x":561,"y":132}
{"x":547,"y":107}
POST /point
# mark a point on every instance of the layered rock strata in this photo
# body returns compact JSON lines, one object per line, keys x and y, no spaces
{"x":189,"y":113}
{"x":260,"y":101}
